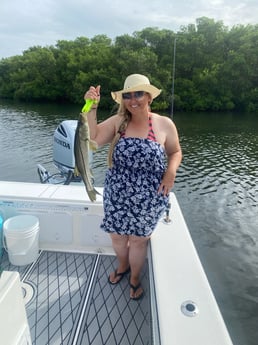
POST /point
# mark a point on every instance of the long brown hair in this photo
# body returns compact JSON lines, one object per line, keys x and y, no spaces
{"x":125,"y":119}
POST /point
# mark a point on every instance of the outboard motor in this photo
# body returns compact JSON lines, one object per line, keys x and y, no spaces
{"x":63,"y":156}
{"x":63,"y":146}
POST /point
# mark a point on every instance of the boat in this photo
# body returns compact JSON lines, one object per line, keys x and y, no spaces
{"x":66,"y":293}
{"x":63,"y":295}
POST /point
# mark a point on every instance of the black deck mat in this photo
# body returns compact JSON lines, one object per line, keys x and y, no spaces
{"x":69,"y":301}
{"x":111,"y":317}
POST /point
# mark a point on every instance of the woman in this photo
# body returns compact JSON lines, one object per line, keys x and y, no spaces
{"x":138,"y":180}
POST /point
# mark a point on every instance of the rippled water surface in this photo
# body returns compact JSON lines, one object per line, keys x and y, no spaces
{"x":216,"y":188}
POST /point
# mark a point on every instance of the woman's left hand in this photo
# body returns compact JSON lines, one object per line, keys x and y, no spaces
{"x":167,"y":183}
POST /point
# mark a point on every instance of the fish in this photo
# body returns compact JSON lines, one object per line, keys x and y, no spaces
{"x":82,"y":146}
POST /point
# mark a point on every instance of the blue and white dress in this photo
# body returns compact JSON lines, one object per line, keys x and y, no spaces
{"x":132,"y":205}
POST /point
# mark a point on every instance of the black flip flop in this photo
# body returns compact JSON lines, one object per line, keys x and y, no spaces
{"x":135,"y":288}
{"x":120,"y":275}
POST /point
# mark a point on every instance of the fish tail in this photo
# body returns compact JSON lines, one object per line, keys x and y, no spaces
{"x":92,"y":195}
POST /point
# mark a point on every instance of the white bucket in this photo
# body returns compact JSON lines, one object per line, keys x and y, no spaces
{"x":21,"y":239}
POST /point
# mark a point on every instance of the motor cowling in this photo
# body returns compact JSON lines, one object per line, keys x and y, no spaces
{"x":63,"y":146}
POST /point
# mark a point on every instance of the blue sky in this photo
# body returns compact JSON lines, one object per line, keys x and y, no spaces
{"x":28,"y":23}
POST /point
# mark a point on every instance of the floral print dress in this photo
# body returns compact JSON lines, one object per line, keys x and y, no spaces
{"x":132,"y":205}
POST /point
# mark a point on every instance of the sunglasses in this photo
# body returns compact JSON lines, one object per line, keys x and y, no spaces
{"x":130,"y":95}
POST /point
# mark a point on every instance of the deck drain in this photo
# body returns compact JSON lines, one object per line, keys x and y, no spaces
{"x":189,"y":308}
{"x":28,"y":291}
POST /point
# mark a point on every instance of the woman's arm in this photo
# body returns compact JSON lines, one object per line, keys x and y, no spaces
{"x":102,"y":133}
{"x":174,"y":156}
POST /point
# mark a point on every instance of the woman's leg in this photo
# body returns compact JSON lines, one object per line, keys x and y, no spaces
{"x":120,"y":246}
{"x":137,"y":256}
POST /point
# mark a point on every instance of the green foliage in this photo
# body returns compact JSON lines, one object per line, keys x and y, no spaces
{"x":215,"y":68}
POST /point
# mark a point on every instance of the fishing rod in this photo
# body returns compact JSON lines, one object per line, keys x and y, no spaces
{"x":173,"y":80}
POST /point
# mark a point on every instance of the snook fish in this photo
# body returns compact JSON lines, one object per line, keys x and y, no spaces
{"x":82,"y":146}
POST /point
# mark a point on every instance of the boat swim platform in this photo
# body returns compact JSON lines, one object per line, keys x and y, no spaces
{"x":69,"y":301}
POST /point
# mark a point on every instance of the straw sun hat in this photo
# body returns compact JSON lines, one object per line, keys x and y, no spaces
{"x":136,"y":82}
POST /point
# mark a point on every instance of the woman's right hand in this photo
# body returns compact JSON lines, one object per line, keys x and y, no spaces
{"x":93,"y":93}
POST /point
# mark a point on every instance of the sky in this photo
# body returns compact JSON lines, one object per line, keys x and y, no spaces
{"x":29,"y":23}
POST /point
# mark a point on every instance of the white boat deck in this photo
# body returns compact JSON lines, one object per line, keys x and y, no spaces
{"x":72,"y":301}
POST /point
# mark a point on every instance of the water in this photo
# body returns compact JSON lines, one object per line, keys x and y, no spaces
{"x":216,"y":187}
